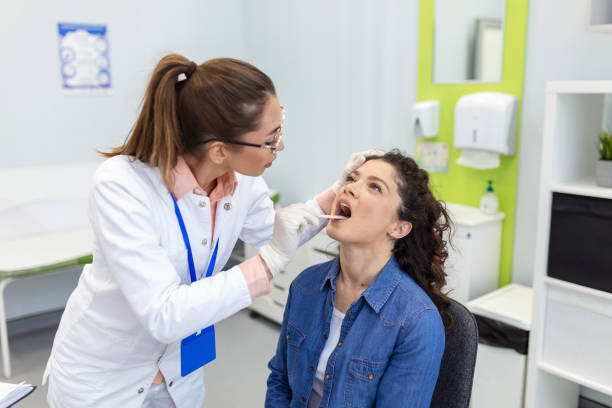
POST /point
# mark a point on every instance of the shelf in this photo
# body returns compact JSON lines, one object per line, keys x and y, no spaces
{"x":579,"y":87}
{"x":599,"y":15}
{"x":602,"y":28}
{"x":552,"y":369}
{"x":558,"y":283}
{"x":586,"y":187}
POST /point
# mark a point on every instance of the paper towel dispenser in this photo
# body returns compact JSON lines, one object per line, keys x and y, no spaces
{"x":485,"y":126}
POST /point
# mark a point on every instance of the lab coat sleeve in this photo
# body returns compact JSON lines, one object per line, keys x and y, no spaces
{"x":259,"y":225}
{"x":414,"y":364}
{"x":121,"y":218}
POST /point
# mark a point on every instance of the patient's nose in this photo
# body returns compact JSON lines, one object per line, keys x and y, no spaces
{"x":351,"y":189}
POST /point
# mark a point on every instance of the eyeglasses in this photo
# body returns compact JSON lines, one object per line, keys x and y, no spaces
{"x":271,"y":147}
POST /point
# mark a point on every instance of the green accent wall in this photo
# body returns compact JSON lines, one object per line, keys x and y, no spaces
{"x":464,"y":185}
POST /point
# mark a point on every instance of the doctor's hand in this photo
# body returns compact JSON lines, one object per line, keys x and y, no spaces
{"x":289,"y":224}
{"x":354,"y":161}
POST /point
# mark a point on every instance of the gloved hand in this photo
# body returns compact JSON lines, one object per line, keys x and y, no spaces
{"x":289,"y":224}
{"x":354,"y":161}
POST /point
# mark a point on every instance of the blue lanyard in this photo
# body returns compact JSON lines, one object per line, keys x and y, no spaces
{"x":211,"y":265}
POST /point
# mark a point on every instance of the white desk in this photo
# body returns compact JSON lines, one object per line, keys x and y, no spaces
{"x":44,"y":226}
{"x":37,"y":255}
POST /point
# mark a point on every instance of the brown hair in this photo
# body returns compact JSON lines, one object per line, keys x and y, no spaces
{"x":223,"y":98}
{"x":421,"y":253}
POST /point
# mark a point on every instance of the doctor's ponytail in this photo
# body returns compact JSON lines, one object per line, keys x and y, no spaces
{"x":185,"y":104}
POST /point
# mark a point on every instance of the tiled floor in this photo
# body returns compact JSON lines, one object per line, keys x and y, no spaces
{"x":244,"y":347}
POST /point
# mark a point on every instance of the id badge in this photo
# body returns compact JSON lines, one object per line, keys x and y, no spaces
{"x":198,"y":350}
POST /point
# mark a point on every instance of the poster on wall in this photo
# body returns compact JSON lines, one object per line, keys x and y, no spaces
{"x":432,"y":156}
{"x":84,"y":59}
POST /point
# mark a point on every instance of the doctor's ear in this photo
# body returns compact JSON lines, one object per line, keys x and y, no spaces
{"x":217,"y":152}
{"x":400,"y":229}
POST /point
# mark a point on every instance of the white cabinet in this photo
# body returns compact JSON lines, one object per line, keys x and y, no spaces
{"x":571,"y":337}
{"x":472,"y":266}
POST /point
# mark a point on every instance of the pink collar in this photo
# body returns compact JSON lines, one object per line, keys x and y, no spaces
{"x":185,"y":182}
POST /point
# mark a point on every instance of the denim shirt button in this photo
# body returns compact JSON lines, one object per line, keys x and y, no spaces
{"x":350,"y":314}
{"x":370,"y":377}
{"x":311,"y":368}
{"x":303,"y":399}
{"x":324,"y":335}
{"x":327,"y":376}
{"x":287,"y":337}
{"x":340,"y":344}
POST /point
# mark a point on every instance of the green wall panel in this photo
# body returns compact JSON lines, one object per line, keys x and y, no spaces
{"x":461,"y":184}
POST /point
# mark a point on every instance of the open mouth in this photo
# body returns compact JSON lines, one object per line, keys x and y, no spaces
{"x":344,"y":209}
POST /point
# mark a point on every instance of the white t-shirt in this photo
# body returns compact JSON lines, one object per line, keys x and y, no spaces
{"x":330,"y":345}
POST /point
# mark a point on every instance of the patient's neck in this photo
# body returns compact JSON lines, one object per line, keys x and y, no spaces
{"x":359,"y":264}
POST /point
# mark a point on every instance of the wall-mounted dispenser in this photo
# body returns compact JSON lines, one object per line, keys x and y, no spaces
{"x":426,"y":119}
{"x":485,"y":126}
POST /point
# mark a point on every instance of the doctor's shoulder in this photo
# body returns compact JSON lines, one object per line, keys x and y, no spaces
{"x":251,"y":185}
{"x":127,"y":174}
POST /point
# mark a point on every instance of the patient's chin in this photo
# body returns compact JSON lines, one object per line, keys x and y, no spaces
{"x":332,"y":231}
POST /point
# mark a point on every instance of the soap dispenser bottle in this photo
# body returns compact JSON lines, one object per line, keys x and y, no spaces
{"x":489,"y":203}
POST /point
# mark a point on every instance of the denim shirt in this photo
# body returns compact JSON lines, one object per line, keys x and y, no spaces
{"x":390,"y":347}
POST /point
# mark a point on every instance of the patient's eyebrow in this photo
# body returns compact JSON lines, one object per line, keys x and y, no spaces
{"x":380,"y":180}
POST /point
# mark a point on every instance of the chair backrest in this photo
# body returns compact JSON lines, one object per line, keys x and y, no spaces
{"x":454,"y":385}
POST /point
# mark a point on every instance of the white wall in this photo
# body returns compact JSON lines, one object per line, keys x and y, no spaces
{"x":346,"y":72}
{"x":39,"y":125}
{"x":558,"y":48}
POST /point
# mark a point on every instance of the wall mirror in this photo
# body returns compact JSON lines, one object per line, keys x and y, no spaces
{"x":468,"y":41}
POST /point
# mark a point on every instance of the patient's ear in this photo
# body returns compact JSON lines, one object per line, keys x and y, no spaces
{"x":400,"y":229}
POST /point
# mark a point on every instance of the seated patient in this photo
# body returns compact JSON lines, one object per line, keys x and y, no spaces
{"x":364,"y":329}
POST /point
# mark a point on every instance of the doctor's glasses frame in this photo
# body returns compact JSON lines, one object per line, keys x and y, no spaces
{"x":272,"y":147}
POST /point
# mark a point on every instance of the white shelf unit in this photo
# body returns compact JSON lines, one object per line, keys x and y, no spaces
{"x":599,"y":15}
{"x":570,"y":343}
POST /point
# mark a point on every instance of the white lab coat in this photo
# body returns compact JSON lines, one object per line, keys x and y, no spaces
{"x":134,"y":303}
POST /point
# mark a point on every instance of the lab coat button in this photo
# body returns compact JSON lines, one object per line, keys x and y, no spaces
{"x":204,"y":242}
{"x":227,"y":206}
{"x":202,"y":204}
{"x":170,"y":384}
{"x":140,"y":390}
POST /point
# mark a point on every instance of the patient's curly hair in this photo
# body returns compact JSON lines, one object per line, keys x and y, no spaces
{"x":421,"y":253}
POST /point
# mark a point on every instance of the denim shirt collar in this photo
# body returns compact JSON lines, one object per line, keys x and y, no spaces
{"x":379,"y":291}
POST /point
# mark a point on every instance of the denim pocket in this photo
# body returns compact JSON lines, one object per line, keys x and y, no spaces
{"x":295,"y":337}
{"x":362,"y":382}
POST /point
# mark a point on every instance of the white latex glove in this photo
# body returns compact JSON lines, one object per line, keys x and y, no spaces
{"x":353,"y":163}
{"x":289,"y":224}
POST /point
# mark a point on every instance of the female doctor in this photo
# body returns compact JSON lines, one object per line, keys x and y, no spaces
{"x":166,"y":209}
